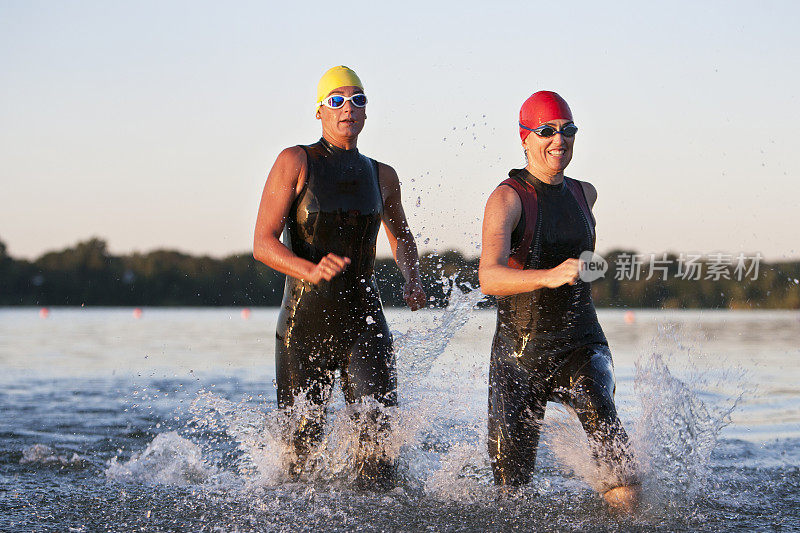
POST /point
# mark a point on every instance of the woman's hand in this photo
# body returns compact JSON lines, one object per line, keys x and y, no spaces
{"x":414,"y":294}
{"x":329,"y":267}
{"x":566,"y":273}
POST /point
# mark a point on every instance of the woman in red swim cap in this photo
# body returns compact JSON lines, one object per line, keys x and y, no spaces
{"x":548,"y":345}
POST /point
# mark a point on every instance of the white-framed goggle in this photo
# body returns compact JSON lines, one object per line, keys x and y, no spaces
{"x":337,"y":101}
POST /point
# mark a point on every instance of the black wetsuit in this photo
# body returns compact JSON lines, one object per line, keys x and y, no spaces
{"x":337,"y":324}
{"x":549,"y":345}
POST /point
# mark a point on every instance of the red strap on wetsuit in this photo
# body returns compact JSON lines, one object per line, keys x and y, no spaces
{"x":530,"y":208}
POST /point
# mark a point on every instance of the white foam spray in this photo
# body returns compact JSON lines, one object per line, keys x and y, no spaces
{"x":169,"y":459}
{"x":42,"y":454}
{"x":673,"y":433}
{"x":262,"y":434}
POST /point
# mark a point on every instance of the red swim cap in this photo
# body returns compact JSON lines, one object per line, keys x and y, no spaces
{"x":541,"y":107}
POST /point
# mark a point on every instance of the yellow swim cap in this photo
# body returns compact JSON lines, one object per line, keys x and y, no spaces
{"x":336,"y":77}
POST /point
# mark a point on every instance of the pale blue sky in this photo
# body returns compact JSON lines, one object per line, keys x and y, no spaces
{"x":153,"y":124}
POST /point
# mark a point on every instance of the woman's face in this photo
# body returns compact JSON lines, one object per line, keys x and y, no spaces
{"x":345,"y":122}
{"x":549,"y":155}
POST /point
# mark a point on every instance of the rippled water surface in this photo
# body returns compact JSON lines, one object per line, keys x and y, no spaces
{"x":168,"y":423}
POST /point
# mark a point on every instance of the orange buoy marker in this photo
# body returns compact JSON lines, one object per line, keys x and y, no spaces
{"x":137,"y":313}
{"x":245,"y":313}
{"x":44,"y":312}
{"x":630,"y":317}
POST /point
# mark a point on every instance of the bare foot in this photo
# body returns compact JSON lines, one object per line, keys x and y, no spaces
{"x":624,"y":499}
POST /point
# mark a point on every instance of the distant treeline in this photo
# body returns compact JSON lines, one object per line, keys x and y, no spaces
{"x":87,"y":274}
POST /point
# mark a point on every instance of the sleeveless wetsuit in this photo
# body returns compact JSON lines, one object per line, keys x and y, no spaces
{"x":337,"y":324}
{"x":548,"y":345}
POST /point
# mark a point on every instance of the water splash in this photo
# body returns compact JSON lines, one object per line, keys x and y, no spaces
{"x":674,"y":432}
{"x":446,"y":449}
{"x":351,"y":432}
{"x":438,"y":437}
{"x":259,"y":436}
{"x":463,"y":475}
{"x":678,"y":429}
{"x":169,"y":460}
{"x":419,"y":348}
{"x":42,"y":454}
{"x":574,"y":452}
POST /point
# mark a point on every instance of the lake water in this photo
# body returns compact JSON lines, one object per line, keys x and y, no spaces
{"x":168,"y":423}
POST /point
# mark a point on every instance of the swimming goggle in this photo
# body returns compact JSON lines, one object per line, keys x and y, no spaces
{"x":568,"y":130}
{"x":337,"y":101}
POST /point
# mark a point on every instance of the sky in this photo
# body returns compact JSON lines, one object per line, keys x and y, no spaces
{"x":154,"y":124}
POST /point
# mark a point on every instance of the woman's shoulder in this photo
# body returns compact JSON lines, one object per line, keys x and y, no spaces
{"x":589,"y":191}
{"x":293,"y":153}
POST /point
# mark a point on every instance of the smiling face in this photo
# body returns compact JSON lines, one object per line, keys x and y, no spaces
{"x":549,"y":156}
{"x":342,"y":126}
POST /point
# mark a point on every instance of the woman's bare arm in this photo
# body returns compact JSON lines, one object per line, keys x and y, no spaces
{"x":502,"y":214}
{"x":284,"y":183}
{"x":401,"y":240}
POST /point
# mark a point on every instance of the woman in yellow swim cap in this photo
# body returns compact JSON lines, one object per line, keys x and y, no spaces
{"x":329,"y":201}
